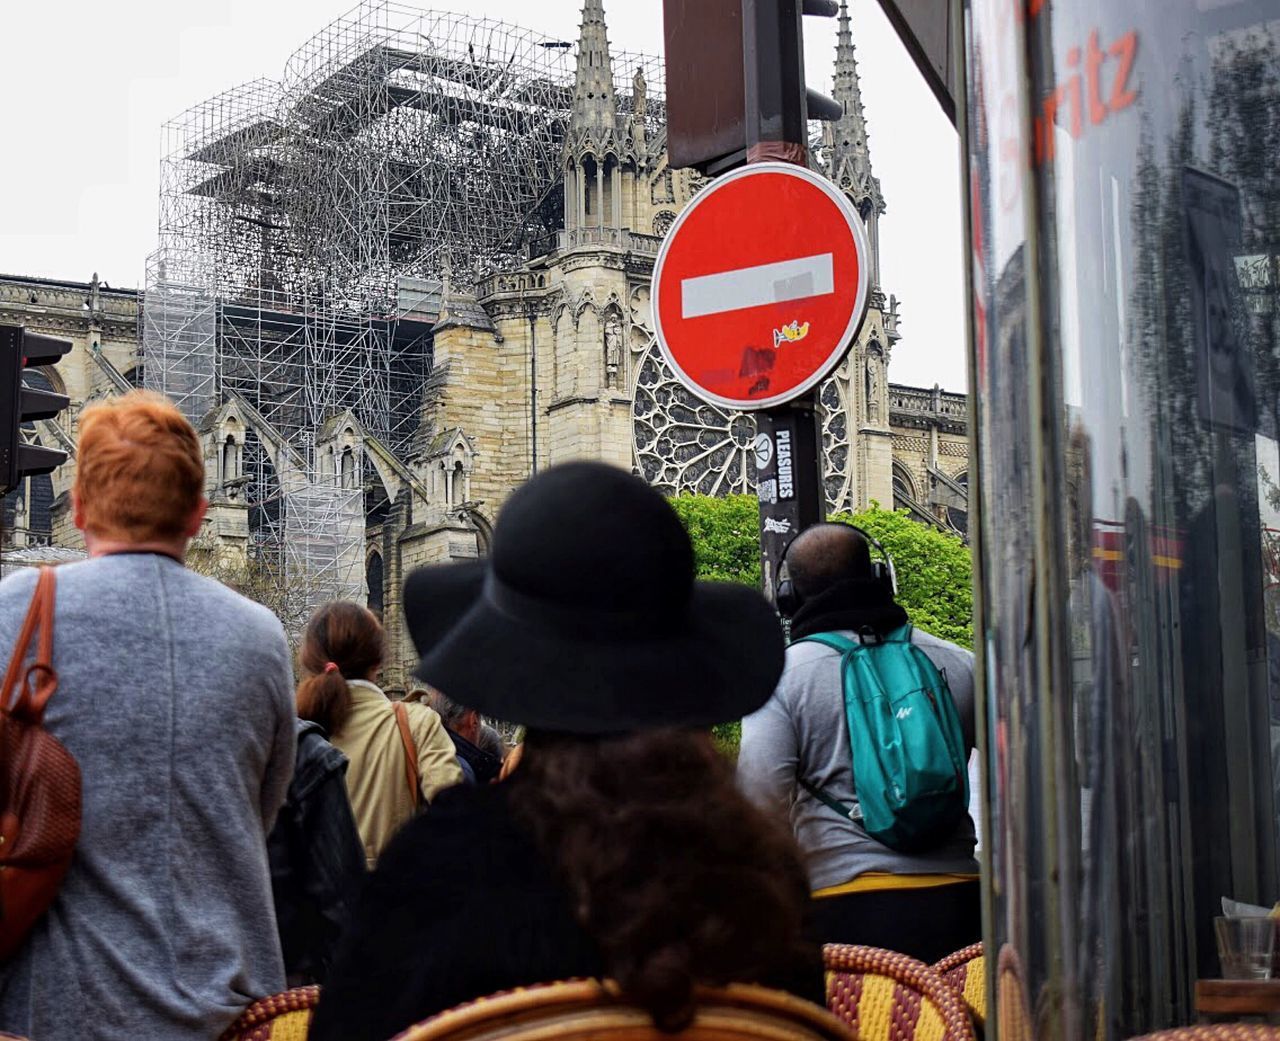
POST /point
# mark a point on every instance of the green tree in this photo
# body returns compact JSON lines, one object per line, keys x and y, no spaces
{"x":935,"y":571}
{"x":725,"y":535}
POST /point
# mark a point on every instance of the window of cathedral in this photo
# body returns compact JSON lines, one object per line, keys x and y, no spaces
{"x":458,"y":482}
{"x":957,"y":516}
{"x":904,"y":488}
{"x":373,"y":576}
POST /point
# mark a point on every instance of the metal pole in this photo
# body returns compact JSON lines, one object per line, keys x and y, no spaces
{"x":788,"y":468}
{"x":533,"y":390}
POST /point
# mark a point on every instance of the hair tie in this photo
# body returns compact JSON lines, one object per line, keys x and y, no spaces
{"x":330,"y":666}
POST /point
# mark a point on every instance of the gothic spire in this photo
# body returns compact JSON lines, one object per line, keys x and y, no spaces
{"x":850,"y":155}
{"x":595,"y":110}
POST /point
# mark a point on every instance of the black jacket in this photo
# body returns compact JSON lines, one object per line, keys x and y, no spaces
{"x":461,"y":905}
{"x":317,"y":859}
{"x":485,"y":766}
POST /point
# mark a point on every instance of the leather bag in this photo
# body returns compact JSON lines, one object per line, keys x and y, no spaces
{"x":39,"y":781}
{"x":410,"y":754}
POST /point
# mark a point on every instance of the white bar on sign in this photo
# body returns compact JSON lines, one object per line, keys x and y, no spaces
{"x":754,"y":286}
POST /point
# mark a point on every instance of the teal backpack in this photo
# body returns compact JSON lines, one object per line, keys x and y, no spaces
{"x":910,"y":770}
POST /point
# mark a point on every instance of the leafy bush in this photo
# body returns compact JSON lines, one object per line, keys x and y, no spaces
{"x":935,"y":571}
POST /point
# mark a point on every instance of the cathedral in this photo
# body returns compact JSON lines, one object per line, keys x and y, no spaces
{"x":379,"y":342}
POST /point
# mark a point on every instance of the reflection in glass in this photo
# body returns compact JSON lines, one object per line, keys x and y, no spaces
{"x":1125,"y":214}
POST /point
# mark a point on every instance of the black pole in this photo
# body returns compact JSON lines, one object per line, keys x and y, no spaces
{"x":533,"y":390}
{"x":788,"y":468}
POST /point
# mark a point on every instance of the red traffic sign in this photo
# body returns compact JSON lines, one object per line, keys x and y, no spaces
{"x":761,"y":285}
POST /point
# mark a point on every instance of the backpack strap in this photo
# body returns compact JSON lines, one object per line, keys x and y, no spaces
{"x":30,"y":704}
{"x":851,"y":813}
{"x":844,"y":646}
{"x":833,"y":640}
{"x":410,"y":752}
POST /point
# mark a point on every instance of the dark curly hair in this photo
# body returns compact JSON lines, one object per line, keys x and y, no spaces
{"x":673,"y":873}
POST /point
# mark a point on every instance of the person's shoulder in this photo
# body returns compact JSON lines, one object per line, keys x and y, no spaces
{"x":422,"y":718}
{"x":214,"y":598}
{"x":936,"y":647}
{"x":804,"y":655}
{"x":17,"y":587}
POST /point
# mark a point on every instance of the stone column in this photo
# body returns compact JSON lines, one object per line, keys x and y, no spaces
{"x":570,"y":203}
{"x":617,"y":197}
{"x":600,"y":191}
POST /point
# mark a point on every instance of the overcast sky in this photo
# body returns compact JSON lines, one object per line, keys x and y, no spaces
{"x":87,"y":85}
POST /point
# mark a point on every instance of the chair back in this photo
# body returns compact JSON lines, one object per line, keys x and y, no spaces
{"x":1216,"y":1032}
{"x":280,"y":1017}
{"x":966,"y":971}
{"x":590,"y":1010}
{"x":887,"y":996}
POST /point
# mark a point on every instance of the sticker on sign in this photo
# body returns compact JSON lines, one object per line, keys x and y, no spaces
{"x":761,"y":286}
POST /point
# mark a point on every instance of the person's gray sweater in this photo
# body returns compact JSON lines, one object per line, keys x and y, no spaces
{"x":175,"y":698}
{"x":801,"y":732}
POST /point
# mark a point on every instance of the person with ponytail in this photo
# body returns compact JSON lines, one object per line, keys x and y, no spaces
{"x":621,"y":847}
{"x":399,"y":755}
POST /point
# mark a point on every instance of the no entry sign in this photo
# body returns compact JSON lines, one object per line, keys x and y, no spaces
{"x":761,"y":285}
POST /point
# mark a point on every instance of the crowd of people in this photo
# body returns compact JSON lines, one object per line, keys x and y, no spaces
{"x":241,"y":832}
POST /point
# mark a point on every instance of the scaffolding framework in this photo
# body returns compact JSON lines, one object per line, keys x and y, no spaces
{"x":301,"y":219}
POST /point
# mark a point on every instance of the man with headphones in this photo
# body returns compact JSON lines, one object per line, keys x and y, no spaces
{"x":796,"y":758}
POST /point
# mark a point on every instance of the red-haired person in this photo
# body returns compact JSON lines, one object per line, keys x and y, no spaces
{"x":342,"y":652}
{"x":175,"y":698}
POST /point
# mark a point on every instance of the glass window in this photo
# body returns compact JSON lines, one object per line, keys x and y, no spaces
{"x":1125,"y":223}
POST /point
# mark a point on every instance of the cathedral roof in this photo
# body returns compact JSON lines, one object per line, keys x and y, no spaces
{"x":849,"y":151}
{"x":594,"y":121}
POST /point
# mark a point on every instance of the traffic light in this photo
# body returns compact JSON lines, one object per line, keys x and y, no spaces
{"x":20,"y":404}
{"x":735,"y":81}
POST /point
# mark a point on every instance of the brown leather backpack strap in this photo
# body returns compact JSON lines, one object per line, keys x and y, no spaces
{"x":410,"y":753}
{"x":39,"y":616}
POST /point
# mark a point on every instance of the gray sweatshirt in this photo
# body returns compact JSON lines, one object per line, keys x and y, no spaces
{"x":176,"y":699}
{"x":801,"y":732}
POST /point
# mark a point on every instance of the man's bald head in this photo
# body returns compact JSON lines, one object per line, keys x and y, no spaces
{"x":825,"y":554}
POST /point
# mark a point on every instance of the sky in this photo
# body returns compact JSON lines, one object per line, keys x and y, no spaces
{"x":83,"y":120}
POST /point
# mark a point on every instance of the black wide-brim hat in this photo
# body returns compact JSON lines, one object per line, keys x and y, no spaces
{"x":587,"y":619}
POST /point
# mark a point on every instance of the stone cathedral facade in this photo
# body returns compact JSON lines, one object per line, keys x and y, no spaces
{"x":553,"y":361}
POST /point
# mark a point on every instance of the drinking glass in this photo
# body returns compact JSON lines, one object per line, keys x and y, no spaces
{"x":1245,"y":946}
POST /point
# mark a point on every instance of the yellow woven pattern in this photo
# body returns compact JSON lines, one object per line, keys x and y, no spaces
{"x":929,"y":1027}
{"x":292,"y":1026}
{"x":279,"y":1017}
{"x":887,"y":996}
{"x":975,"y":989}
{"x":876,"y":1008}
{"x":1216,"y":1032}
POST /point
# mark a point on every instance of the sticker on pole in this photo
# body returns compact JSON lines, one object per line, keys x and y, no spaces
{"x":761,"y":286}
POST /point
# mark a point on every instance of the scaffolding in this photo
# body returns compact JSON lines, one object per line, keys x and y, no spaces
{"x":307,"y":223}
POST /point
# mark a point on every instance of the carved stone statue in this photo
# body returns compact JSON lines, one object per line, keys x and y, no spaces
{"x":612,"y":351}
{"x":639,"y":93}
{"x":873,"y":387}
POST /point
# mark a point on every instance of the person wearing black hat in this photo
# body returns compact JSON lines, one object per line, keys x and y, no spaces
{"x":621,"y":847}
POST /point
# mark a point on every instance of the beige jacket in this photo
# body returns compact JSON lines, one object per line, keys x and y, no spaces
{"x":376,"y":783}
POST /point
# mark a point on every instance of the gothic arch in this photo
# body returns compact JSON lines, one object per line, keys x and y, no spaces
{"x":904,"y":486}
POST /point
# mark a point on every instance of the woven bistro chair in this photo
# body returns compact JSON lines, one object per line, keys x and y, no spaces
{"x":1215,"y":1032}
{"x":887,"y":996}
{"x":280,"y":1017}
{"x":966,"y":971}
{"x":1013,"y":1003}
{"x":589,"y":1010}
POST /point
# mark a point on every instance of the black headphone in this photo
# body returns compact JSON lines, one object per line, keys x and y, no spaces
{"x":788,"y":600}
